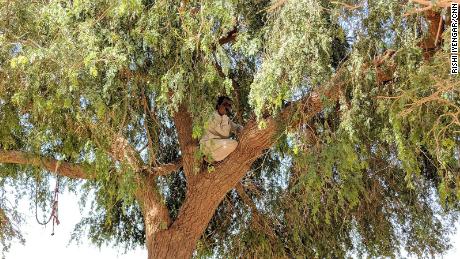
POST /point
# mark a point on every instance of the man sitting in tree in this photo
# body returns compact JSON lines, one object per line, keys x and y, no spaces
{"x":216,"y":143}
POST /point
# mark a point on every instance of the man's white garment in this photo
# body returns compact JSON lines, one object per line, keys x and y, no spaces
{"x":216,"y":143}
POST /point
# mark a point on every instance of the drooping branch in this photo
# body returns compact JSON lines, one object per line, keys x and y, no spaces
{"x":4,"y":221}
{"x":8,"y":228}
{"x":260,"y":222}
{"x":61,"y":168}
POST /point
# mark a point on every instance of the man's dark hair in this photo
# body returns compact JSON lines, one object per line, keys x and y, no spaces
{"x":221,"y":99}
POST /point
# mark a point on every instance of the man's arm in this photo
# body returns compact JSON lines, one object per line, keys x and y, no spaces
{"x":220,"y":126}
{"x":235,"y":127}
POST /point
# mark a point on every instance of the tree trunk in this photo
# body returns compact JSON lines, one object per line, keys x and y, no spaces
{"x":203,"y":198}
{"x":156,"y":214}
{"x":171,"y":244}
{"x":179,"y":241}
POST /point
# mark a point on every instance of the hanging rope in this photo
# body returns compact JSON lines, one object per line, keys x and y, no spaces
{"x":54,"y":205}
{"x":54,"y":211}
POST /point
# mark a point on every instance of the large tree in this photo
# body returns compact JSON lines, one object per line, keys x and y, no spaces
{"x":351,"y":123}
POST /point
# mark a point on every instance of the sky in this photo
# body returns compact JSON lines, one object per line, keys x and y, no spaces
{"x":40,"y":244}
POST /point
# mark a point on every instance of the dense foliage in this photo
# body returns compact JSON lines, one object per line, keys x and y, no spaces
{"x":373,"y":174}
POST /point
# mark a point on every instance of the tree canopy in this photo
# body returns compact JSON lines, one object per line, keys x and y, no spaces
{"x":351,"y":124}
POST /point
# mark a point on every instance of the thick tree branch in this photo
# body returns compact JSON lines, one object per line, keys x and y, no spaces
{"x":430,"y":43}
{"x":184,"y":123}
{"x":155,"y":212}
{"x":167,"y":169}
{"x":440,"y":3}
{"x":61,"y":168}
{"x":276,"y":5}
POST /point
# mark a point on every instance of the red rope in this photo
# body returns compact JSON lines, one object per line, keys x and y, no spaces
{"x":54,"y":207}
{"x":54,"y":212}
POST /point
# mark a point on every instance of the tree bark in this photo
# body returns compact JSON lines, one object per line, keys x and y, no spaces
{"x":156,"y":214}
{"x":188,"y":146}
{"x":59,"y":167}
